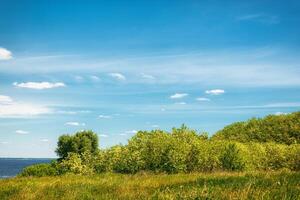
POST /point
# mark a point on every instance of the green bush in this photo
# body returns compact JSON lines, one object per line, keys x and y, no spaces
{"x":283,"y":129}
{"x":73,"y":164}
{"x":44,"y":169}
{"x":231,"y":158}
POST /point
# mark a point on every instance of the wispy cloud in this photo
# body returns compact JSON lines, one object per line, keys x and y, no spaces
{"x":104,"y":116}
{"x":147,"y":76}
{"x":202,"y":99}
{"x":11,"y":109}
{"x":117,"y":76}
{"x":72,"y":112}
{"x":103,"y":135}
{"x":131,"y":132}
{"x":74,"y":124}
{"x":215,"y":92}
{"x":281,"y":113}
{"x":260,"y":17}
{"x":44,"y":140}
{"x":5,"y":54}
{"x":22,"y":132}
{"x":178,"y":95}
{"x":95,"y":78}
{"x":238,"y":66}
{"x":5,"y":99}
{"x":39,"y":85}
{"x":181,"y":103}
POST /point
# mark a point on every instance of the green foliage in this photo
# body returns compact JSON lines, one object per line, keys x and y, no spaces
{"x":184,"y":150}
{"x":273,"y":128}
{"x":231,"y":158}
{"x":40,"y":170}
{"x":83,"y":141}
{"x":73,"y":163}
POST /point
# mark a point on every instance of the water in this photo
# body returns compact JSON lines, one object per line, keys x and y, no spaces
{"x":10,"y":167}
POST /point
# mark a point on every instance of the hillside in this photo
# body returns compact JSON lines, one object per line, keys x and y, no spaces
{"x":283,"y":128}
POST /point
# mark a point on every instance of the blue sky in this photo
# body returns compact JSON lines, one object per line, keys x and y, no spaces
{"x":117,"y":67}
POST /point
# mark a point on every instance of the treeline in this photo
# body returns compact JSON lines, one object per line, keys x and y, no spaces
{"x":181,"y":150}
{"x":284,"y":128}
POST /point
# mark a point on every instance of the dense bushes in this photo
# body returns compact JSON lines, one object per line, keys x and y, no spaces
{"x":182,"y":150}
{"x":39,"y":170}
{"x":283,"y":128}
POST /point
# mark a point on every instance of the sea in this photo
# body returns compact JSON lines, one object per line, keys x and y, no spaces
{"x":10,"y":167}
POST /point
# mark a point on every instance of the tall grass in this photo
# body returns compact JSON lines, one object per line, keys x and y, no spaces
{"x":258,"y":185}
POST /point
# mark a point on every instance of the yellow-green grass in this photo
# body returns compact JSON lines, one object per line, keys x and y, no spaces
{"x":258,"y":185}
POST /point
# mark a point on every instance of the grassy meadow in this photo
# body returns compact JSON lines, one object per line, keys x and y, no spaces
{"x":218,"y":185}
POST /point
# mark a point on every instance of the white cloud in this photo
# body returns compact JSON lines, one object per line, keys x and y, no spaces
{"x":5,"y":54}
{"x":5,"y":99}
{"x":178,"y":95}
{"x":131,"y":132}
{"x":22,"y":132}
{"x":74,"y":124}
{"x":104,"y":116}
{"x":44,"y":140}
{"x":215,"y":92}
{"x":147,"y":76}
{"x":103,"y":135}
{"x":95,"y":78}
{"x":155,"y":126}
{"x":39,"y":85}
{"x":238,"y":66}
{"x":118,"y":76}
{"x":12,"y":109}
{"x":202,"y":99}
{"x":123,"y":134}
{"x":71,"y":112}
{"x":21,"y":110}
{"x":281,"y":113}
{"x":181,"y":103}
{"x":260,"y":17}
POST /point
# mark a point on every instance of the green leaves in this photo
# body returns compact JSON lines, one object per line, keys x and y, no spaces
{"x":283,"y":128}
{"x":83,"y":141}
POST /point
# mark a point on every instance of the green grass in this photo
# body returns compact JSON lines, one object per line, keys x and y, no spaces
{"x":272,"y":185}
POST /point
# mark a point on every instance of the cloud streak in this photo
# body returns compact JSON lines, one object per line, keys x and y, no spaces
{"x":215,"y":92}
{"x":178,"y":95}
{"x":39,"y":85}
{"x":104,"y":117}
{"x":22,"y":132}
{"x":74,"y":124}
{"x":260,"y":17}
{"x":11,"y":109}
{"x":118,"y":76}
{"x":202,"y":99}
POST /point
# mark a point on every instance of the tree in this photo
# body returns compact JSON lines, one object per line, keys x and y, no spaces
{"x":81,"y":142}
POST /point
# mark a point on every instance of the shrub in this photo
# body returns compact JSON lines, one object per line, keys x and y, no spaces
{"x":275,"y":156}
{"x":231,"y":159}
{"x":44,"y":169}
{"x":73,"y":164}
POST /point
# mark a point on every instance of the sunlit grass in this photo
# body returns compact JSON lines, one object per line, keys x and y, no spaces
{"x":259,"y":185}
